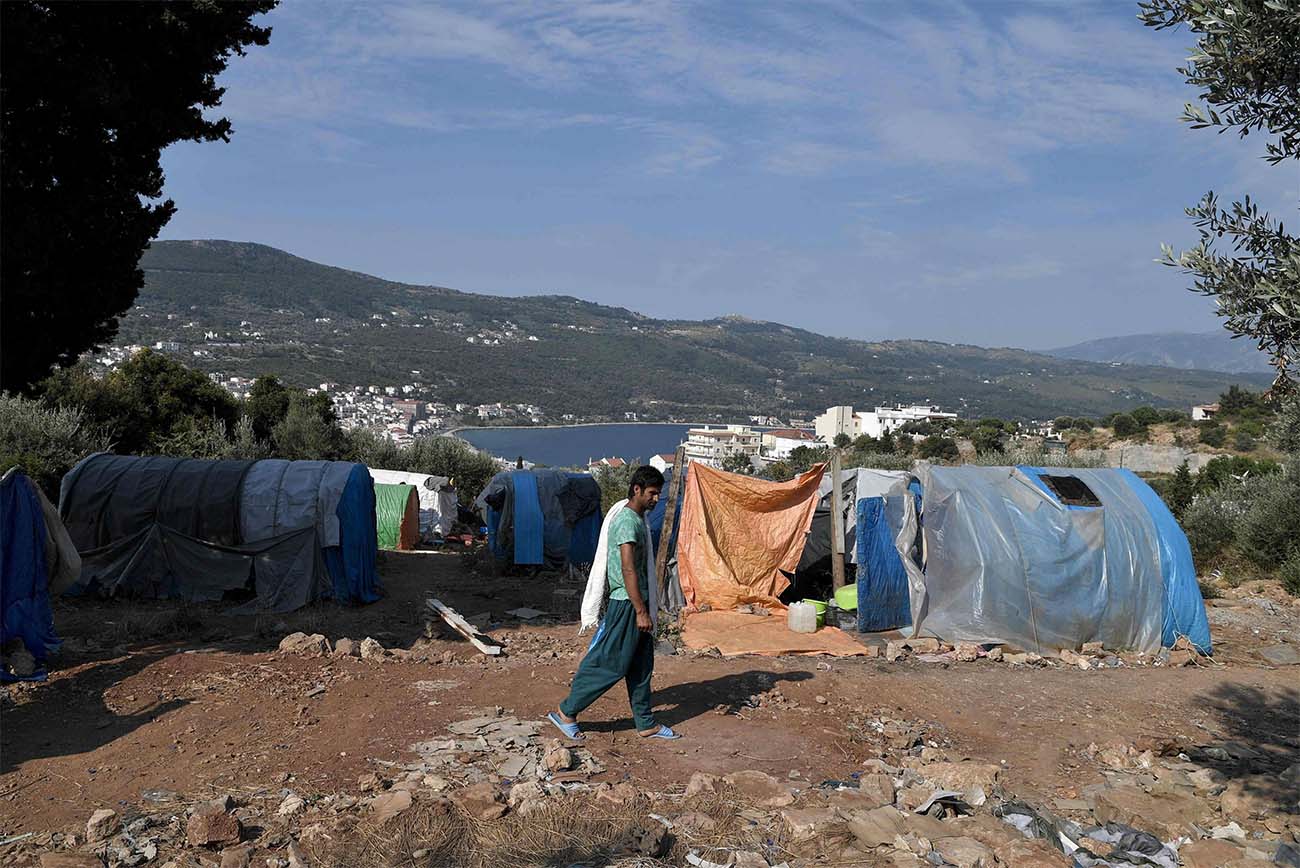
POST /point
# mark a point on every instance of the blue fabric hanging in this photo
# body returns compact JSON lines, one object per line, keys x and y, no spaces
{"x":530,"y":526}
{"x":25,"y":611}
{"x":883,"y":601}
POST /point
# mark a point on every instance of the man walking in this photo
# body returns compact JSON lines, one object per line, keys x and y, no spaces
{"x":623,"y":649}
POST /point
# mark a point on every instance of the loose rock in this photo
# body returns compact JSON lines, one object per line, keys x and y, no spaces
{"x":301,"y":643}
{"x":212,"y":828}
{"x":102,"y":825}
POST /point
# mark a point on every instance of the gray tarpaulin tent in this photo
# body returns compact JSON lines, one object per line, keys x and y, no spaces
{"x":1046,"y":558}
{"x":288,"y":532}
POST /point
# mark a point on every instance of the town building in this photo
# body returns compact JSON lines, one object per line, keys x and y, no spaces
{"x":782,"y":441}
{"x":874,"y":423}
{"x":1204,"y":412}
{"x":662,"y":462}
{"x":712,"y":446}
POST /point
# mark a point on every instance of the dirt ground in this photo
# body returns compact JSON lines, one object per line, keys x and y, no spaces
{"x":150,"y":701}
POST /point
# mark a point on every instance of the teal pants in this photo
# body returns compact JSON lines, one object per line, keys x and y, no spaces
{"x":620,"y":652}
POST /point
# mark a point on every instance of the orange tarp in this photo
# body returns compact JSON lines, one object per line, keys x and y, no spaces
{"x":737,"y":534}
{"x":735,"y":633}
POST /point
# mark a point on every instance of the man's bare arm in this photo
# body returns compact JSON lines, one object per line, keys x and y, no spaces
{"x":632,"y":583}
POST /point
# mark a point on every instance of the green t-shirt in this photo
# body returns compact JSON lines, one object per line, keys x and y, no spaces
{"x":627,"y":527}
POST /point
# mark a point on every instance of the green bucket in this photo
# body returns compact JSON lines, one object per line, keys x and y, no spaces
{"x":846,"y":598}
{"x":820,"y":606}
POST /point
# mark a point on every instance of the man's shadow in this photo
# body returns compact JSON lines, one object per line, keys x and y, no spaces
{"x":682,"y":702}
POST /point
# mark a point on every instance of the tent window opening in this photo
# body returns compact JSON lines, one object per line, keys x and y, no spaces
{"x":1070,"y":490}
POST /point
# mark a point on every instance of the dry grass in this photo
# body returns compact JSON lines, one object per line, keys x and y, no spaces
{"x":132,"y":625}
{"x":568,"y":830}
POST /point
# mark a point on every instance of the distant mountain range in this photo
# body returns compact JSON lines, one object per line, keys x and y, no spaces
{"x":1204,"y":351}
{"x":249,"y":309}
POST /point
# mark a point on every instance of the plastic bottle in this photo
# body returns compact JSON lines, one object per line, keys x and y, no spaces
{"x":801,"y":618}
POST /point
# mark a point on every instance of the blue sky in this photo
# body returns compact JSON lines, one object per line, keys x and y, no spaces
{"x":992,"y":174}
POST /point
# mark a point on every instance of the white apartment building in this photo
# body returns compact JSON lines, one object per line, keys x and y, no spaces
{"x":883,"y":419}
{"x":874,"y":423}
{"x":712,"y":446}
{"x":781,"y":442}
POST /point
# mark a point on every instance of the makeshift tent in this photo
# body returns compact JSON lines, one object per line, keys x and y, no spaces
{"x":438,"y":502}
{"x":36,"y":558}
{"x":856,"y":484}
{"x":397,"y":516}
{"x":1045,"y":558}
{"x":537,"y":517}
{"x":288,"y":532}
{"x":737,"y":535}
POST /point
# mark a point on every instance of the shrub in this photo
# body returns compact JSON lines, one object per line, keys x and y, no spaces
{"x":1268,"y":531}
{"x":46,"y":441}
{"x":1222,"y":470}
{"x":1243,"y":442}
{"x":942,"y":448}
{"x":1213,"y":434}
{"x":1125,"y":425}
{"x":1145,"y":416}
{"x":1209,"y":522}
{"x":1290,"y":574}
{"x":1284,"y":433}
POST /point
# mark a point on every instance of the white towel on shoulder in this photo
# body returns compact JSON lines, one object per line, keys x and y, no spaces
{"x":598,"y":584}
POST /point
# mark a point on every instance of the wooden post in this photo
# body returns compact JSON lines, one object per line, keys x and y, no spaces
{"x":837,"y":524}
{"x":670,"y":515}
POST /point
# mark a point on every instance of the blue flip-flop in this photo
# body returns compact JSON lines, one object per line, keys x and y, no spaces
{"x":568,"y":730}
{"x":664,"y":732}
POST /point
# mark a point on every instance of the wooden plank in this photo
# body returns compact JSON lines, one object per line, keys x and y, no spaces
{"x":670,"y":515}
{"x":463,"y":627}
{"x":837,"y":524}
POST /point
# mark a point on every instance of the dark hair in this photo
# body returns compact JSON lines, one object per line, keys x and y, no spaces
{"x":645,"y":476}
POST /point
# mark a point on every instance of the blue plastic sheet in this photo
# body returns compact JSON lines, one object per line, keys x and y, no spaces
{"x":530,"y":527}
{"x":25,"y":611}
{"x":655,"y":518}
{"x":586,"y":536}
{"x":351,"y":563}
{"x":1184,"y":613}
{"x":883,"y":601}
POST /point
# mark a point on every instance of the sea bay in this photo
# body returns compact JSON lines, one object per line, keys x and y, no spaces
{"x":576,"y":445}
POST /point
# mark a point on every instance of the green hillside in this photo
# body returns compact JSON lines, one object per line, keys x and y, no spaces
{"x":590,"y":359}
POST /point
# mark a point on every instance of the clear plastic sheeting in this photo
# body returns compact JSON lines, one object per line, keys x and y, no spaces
{"x":1006,"y":561}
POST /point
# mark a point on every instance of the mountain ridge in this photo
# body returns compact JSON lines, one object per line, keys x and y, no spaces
{"x":310,"y":323}
{"x":1207,"y":351}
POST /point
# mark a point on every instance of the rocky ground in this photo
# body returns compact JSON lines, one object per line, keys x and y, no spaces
{"x":180,"y":736}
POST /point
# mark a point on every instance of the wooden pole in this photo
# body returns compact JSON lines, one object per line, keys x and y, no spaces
{"x":670,"y":515}
{"x":837,"y":524}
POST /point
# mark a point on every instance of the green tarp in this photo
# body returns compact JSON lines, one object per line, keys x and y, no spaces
{"x":397,"y":516}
